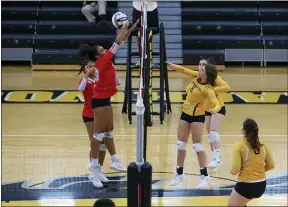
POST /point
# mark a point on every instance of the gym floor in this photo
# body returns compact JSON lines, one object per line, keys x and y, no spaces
{"x":45,"y":145}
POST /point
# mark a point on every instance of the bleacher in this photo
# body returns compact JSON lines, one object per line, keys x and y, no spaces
{"x":51,"y":30}
{"x":234,"y":31}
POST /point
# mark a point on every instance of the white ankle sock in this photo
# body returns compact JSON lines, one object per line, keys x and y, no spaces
{"x":114,"y":157}
{"x":217,"y":155}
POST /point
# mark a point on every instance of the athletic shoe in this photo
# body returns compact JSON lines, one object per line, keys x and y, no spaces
{"x":177,"y":179}
{"x":204,"y":182}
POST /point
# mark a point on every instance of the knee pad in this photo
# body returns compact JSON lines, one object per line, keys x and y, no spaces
{"x":198,"y":147}
{"x":181,"y":145}
{"x":109,"y":135}
{"x":99,"y":136}
{"x":214,"y":136}
{"x":102,"y":147}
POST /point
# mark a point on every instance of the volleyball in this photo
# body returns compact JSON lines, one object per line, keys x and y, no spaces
{"x":119,"y":19}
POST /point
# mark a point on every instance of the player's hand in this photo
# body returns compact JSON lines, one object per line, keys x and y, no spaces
{"x":171,"y":66}
{"x":212,"y":111}
{"x":127,"y":34}
{"x":88,"y":72}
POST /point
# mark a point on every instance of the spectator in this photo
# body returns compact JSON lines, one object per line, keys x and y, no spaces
{"x":104,"y":202}
{"x":152,"y":18}
{"x":90,"y":7}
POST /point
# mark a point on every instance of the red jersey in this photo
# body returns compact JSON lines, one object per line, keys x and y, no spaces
{"x":105,"y":84}
{"x":87,"y":93}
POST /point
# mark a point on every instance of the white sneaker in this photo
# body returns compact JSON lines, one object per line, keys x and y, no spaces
{"x":92,"y":166}
{"x":101,"y":176}
{"x":177,"y":179}
{"x":204,"y":182}
{"x":95,"y":180}
{"x":96,"y":170}
{"x":117,"y":165}
{"x":214,"y":164}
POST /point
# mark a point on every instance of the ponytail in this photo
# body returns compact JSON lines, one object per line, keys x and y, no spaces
{"x":86,"y":50}
{"x":251,"y":129}
{"x":83,"y":65}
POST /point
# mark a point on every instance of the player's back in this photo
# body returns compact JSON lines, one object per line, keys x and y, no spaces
{"x":253,"y":162}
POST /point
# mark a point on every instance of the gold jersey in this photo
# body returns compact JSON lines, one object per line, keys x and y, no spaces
{"x":250,"y":164}
{"x":197,"y":93}
{"x":221,"y":86}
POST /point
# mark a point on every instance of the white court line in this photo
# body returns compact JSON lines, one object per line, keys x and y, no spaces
{"x":128,"y":135}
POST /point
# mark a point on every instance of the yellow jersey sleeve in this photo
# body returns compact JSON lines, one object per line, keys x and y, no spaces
{"x":270,"y":164}
{"x":236,"y":159}
{"x":186,"y":71}
{"x":213,"y":99}
{"x":221,"y":85}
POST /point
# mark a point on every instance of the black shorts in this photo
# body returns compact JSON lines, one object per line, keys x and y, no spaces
{"x":95,"y":102}
{"x":152,"y":18}
{"x":87,"y":119}
{"x":250,"y":190}
{"x":222,"y":111}
{"x":190,"y":119}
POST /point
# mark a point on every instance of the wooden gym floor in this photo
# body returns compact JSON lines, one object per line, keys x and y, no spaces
{"x":45,"y":146}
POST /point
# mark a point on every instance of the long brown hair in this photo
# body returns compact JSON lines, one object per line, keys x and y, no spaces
{"x":211,"y":73}
{"x":251,"y":133}
{"x":87,"y":50}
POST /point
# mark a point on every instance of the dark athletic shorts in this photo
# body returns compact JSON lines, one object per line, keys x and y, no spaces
{"x":152,"y":18}
{"x":222,"y":111}
{"x":87,"y":119}
{"x":190,"y":119}
{"x":95,"y":103}
{"x":250,"y":190}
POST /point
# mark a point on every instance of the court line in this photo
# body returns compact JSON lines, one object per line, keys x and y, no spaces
{"x":128,"y":135}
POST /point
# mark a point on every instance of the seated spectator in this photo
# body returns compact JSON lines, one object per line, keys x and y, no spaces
{"x":104,"y":202}
{"x":90,"y":7}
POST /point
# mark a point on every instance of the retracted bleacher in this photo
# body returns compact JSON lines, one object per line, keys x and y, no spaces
{"x":274,"y":20}
{"x":226,"y":31}
{"x":49,"y":32}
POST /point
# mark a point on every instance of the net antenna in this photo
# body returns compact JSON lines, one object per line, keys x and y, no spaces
{"x":140,"y":108}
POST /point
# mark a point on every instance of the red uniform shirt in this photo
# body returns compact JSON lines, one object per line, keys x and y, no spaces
{"x":88,"y":93}
{"x":105,"y":84}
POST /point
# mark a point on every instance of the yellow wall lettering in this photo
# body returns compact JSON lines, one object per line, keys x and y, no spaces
{"x":36,"y":96}
{"x":118,"y":97}
{"x":271,"y":97}
{"x":69,"y":96}
{"x":248,"y":97}
{"x":176,"y":97}
{"x":227,"y":97}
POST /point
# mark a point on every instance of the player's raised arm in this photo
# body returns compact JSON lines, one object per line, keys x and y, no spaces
{"x":178,"y":68}
{"x":221,"y":85}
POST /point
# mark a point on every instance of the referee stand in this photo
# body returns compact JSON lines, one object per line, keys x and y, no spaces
{"x":164,"y":104}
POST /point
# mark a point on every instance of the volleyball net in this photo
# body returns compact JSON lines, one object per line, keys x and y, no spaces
{"x":139,"y":181}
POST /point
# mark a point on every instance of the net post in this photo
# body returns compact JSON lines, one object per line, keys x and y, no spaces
{"x":148,"y":80}
{"x":168,"y":103}
{"x":129,"y":76}
{"x":162,"y":65}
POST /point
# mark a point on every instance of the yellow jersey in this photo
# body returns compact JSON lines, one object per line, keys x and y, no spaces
{"x":197,"y":93}
{"x":250,"y":164}
{"x":221,"y":86}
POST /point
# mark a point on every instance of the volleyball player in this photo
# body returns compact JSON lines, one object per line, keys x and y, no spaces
{"x":86,"y":87}
{"x":104,"y":89}
{"x":193,"y":118}
{"x":250,"y":160}
{"x":213,"y":121}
